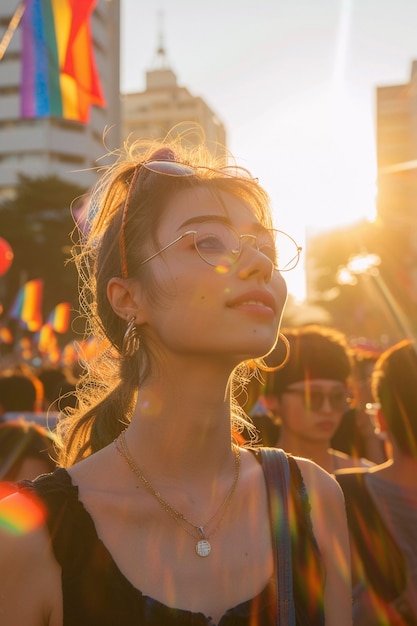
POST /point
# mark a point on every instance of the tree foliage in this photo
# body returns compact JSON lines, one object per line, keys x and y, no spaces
{"x":38,"y":224}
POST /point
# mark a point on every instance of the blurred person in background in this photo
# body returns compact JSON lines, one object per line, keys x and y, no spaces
{"x":18,"y":393}
{"x":310,"y":394}
{"x":356,"y":434}
{"x":53,"y":379}
{"x":26,"y":451}
{"x":381,"y":501}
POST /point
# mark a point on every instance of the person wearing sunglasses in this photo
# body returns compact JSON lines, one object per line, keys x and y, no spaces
{"x":310,"y":394}
{"x":157,"y":515}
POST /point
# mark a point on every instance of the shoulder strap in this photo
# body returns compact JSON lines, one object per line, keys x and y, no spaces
{"x":381,"y":558}
{"x":277,"y":474}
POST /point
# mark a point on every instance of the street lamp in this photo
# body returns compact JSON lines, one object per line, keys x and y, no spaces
{"x":358,"y":265}
{"x":365,"y":264}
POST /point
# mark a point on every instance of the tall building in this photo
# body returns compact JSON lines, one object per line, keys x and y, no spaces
{"x":163,"y":104}
{"x":53,"y":145}
{"x":377,"y":298}
{"x":396,"y":130}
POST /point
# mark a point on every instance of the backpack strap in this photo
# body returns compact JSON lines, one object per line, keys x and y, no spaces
{"x":381,"y":558}
{"x":277,"y":475}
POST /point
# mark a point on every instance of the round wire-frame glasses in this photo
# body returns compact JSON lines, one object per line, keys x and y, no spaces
{"x":220,"y":245}
{"x":177,"y":169}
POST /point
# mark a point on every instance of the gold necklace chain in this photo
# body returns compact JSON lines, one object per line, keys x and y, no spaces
{"x":203,"y":546}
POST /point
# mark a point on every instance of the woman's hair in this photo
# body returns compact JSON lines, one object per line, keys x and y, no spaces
{"x":394,"y":386}
{"x":21,"y":440}
{"x":124,"y":212}
{"x":315,"y":352}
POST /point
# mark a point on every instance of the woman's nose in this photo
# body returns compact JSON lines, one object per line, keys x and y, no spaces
{"x":326,"y":406}
{"x":252,"y":261}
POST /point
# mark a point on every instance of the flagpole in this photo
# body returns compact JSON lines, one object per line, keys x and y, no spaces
{"x":14,"y":23}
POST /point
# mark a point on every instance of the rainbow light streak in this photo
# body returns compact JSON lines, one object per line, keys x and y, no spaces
{"x":21,"y":513}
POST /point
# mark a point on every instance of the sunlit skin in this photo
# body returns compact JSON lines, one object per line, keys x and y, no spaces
{"x":202,"y":325}
{"x":307,"y":432}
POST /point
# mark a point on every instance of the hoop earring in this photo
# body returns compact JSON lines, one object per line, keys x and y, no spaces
{"x":131,"y":339}
{"x":266,"y":368}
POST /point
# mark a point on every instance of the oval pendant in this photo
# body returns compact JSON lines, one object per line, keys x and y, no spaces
{"x":203,"y":547}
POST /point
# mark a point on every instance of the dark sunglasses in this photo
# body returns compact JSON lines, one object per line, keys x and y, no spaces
{"x":225,"y":243}
{"x":314,"y":398}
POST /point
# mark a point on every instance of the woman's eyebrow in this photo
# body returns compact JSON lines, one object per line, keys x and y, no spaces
{"x":199,"y":219}
{"x":221,"y":219}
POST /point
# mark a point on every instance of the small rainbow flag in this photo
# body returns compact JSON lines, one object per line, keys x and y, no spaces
{"x":59,"y":75}
{"x":59,"y":317}
{"x":47,"y":344}
{"x":27,"y":305}
{"x":6,"y":335}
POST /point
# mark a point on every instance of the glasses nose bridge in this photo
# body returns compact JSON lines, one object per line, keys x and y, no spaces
{"x":254,"y":239}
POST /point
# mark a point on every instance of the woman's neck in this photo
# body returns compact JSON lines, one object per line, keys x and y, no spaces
{"x":185,"y":423}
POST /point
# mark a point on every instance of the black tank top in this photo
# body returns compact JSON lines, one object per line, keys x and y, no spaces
{"x":96,"y":593}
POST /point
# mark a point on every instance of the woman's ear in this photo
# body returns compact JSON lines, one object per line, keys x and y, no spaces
{"x":125,"y":297}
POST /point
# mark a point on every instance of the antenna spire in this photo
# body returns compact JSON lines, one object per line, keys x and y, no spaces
{"x":161,"y":61}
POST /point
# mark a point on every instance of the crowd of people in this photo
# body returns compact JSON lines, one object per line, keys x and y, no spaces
{"x":167,"y":498}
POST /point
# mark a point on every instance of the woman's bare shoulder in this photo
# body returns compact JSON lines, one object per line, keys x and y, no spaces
{"x":30,"y":590}
{"x":318,"y":481}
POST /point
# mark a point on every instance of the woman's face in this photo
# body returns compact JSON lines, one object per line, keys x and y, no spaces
{"x":313,"y":410}
{"x":232,"y":310}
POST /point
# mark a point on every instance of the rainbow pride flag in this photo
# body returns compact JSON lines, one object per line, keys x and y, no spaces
{"x":59,"y":76}
{"x":47,"y":344}
{"x":59,"y":318}
{"x":6,"y":335}
{"x":27,"y":306}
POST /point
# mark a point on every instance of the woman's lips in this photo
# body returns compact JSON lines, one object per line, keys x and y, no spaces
{"x":256,"y":301}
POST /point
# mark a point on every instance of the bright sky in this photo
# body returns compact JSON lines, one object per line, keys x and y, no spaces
{"x":294,"y":83}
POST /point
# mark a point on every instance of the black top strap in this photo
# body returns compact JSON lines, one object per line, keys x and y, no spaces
{"x":277,"y":474}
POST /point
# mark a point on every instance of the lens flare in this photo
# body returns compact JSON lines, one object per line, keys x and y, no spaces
{"x":222,"y":269}
{"x":20,"y":513}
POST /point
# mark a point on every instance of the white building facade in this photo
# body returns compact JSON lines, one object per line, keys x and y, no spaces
{"x":51,"y":145}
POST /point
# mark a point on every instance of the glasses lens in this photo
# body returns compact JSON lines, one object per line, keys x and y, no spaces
{"x":314,"y":400}
{"x":337,"y":400}
{"x":217,"y":244}
{"x":169,"y":168}
{"x":280,"y":248}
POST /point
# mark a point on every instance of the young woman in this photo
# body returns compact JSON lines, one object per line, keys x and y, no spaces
{"x":309,"y":396}
{"x":159,"y":517}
